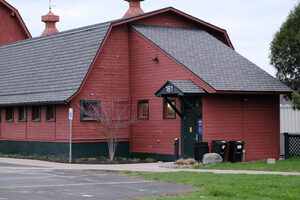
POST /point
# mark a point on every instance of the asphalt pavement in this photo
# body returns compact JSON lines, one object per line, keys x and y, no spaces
{"x":24,"y":179}
{"x":29,"y":182}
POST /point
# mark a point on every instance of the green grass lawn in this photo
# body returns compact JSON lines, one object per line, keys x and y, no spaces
{"x":288,"y":165}
{"x":230,"y":186}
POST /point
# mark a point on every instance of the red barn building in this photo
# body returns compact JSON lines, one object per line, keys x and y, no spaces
{"x":140,"y":58}
{"x":12,"y":27}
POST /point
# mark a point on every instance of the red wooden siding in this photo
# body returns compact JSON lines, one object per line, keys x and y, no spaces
{"x":109,"y":79}
{"x":36,"y":131}
{"x":146,"y":77}
{"x":62,"y":129}
{"x":10,"y":28}
{"x":255,"y":121}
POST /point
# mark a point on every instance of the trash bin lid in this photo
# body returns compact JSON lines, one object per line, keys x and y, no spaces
{"x":219,"y":141}
{"x":237,"y":142}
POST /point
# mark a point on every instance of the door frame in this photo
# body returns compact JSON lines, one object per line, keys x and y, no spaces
{"x":183,"y":103}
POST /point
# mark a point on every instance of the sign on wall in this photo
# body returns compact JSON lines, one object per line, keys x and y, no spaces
{"x":169,"y":89}
{"x":70,"y":113}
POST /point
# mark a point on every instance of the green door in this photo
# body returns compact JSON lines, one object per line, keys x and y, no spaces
{"x":192,"y":114}
{"x":190,"y":133}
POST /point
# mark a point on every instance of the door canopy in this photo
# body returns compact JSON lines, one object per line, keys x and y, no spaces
{"x":179,"y":88}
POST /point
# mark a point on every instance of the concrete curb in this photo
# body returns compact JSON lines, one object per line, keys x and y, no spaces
{"x":140,"y":167}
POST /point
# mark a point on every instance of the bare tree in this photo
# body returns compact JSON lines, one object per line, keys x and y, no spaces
{"x":111,"y":117}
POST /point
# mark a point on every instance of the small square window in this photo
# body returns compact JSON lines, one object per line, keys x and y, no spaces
{"x":36,"y":113}
{"x":90,"y":110}
{"x":50,"y":113}
{"x":143,"y":109}
{"x":9,"y":114}
{"x":168,"y":111}
{"x":22,"y":114}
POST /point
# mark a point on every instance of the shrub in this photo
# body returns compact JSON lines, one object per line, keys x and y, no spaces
{"x":189,"y":161}
{"x":179,"y":162}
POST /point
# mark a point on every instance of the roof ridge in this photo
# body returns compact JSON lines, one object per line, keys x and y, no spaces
{"x":171,"y":27}
{"x":63,"y":33}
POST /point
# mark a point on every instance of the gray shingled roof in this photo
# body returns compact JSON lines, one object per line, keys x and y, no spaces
{"x":48,"y":69}
{"x":215,"y":63}
{"x":51,"y":69}
{"x":187,"y":86}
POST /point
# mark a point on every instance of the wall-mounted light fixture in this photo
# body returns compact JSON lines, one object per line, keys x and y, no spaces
{"x":245,"y":99}
{"x":155,"y":59}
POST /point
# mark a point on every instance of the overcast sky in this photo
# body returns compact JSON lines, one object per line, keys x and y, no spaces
{"x":251,"y":24}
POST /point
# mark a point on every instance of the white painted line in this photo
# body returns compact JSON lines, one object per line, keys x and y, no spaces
{"x":75,"y":184}
{"x":87,"y":195}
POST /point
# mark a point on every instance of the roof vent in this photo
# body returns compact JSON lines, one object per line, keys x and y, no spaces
{"x":134,"y":8}
{"x":50,"y":19}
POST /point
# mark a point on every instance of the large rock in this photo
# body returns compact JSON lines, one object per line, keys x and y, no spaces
{"x":211,"y":159}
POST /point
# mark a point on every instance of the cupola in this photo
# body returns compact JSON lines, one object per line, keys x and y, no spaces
{"x":134,"y":8}
{"x":50,"y":19}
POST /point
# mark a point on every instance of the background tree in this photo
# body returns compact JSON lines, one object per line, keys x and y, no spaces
{"x":285,"y":52}
{"x":111,"y":117}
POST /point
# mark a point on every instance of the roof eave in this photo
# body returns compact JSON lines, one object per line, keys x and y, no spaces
{"x":33,"y":103}
{"x":252,"y":92}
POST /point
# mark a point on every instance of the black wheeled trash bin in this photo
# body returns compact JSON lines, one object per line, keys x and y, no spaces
{"x":219,"y":147}
{"x":236,"y":151}
{"x":201,"y":148}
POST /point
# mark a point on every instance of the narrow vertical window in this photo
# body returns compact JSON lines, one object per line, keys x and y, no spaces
{"x":90,"y":110}
{"x":143,"y":109}
{"x":9,"y":114}
{"x":0,"y":114}
{"x":22,"y":114}
{"x":36,"y":113}
{"x":50,"y":113}
{"x":168,"y":111}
